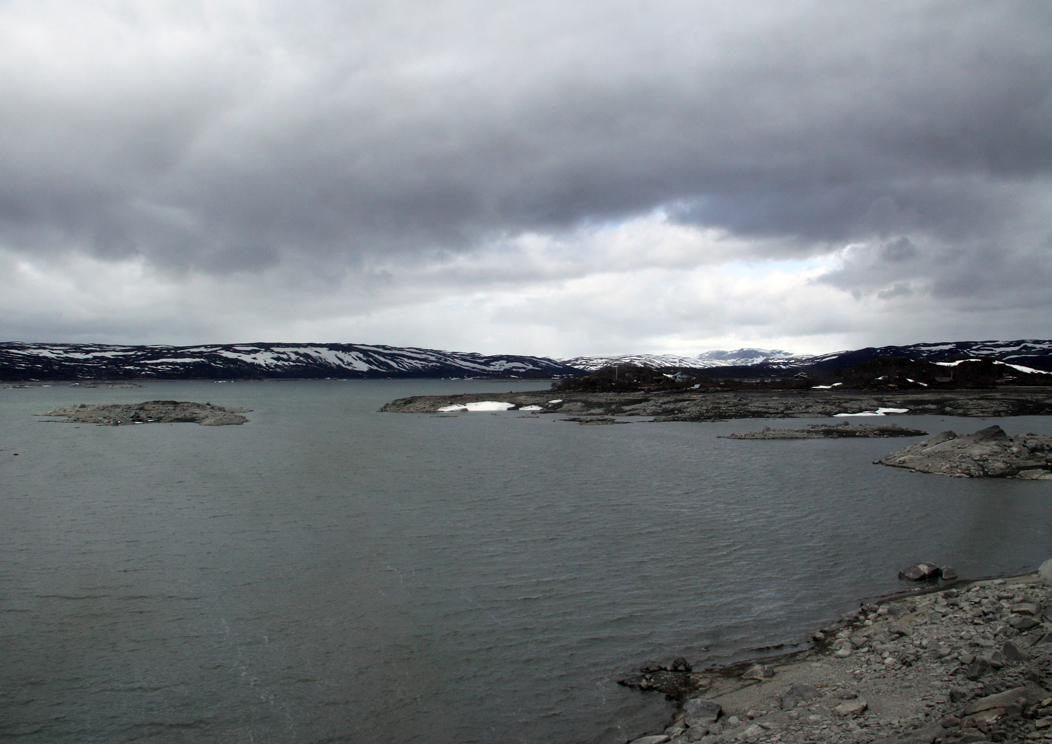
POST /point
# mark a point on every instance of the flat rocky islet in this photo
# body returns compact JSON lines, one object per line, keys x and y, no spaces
{"x":962,"y":662}
{"x":831,"y":431}
{"x":151,"y":412}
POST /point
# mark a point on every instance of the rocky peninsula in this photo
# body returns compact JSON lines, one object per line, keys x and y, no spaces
{"x":151,"y":412}
{"x":831,"y":431}
{"x":988,"y":453}
{"x":710,"y":405}
{"x":951,"y":663}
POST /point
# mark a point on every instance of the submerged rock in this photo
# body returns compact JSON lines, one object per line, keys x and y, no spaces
{"x":988,"y":453}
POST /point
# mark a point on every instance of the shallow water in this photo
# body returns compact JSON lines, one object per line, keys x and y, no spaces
{"x":329,"y":573}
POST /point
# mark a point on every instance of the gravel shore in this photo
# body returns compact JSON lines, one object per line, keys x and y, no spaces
{"x":968,"y":663}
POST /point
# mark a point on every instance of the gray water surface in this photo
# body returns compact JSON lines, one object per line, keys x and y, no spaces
{"x":328,"y":573}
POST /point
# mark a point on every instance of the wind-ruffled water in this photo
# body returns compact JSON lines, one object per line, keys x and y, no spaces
{"x":328,"y":573}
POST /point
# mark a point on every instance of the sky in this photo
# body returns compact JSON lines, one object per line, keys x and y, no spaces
{"x":556,"y":178}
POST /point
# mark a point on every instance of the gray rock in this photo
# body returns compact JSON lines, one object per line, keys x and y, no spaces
{"x":699,"y":712}
{"x":1013,"y":653}
{"x":920,"y":572}
{"x":977,"y":669}
{"x":1023,"y":622}
{"x":1045,"y":571}
{"x":1027,"y":608}
{"x":799,"y":693}
{"x":924,"y":735}
{"x":851,"y":708}
{"x":759,"y":671}
{"x":654,"y":739}
{"x":1011,"y":699}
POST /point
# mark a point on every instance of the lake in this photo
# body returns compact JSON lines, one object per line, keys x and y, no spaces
{"x":327,"y":573}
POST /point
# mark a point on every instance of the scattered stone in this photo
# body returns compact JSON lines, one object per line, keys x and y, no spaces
{"x":1023,"y":622}
{"x":675,"y":680}
{"x":798,"y":693}
{"x":977,"y":668}
{"x":759,"y":671}
{"x":1027,"y":608}
{"x":1013,"y":653}
{"x":1014,"y":699}
{"x":851,"y":708}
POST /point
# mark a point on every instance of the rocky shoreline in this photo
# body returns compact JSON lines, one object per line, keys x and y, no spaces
{"x":703,"y":405}
{"x":967,"y":662}
{"x":151,"y":412}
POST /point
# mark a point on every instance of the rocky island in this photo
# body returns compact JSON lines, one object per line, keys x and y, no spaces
{"x":988,"y":453}
{"x":151,"y":412}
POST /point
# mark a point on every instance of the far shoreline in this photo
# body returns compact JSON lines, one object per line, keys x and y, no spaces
{"x":705,"y":405}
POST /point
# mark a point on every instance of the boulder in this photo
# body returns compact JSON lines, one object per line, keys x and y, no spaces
{"x":1045,"y":571}
{"x":921,"y":572}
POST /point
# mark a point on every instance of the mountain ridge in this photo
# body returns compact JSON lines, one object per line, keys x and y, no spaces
{"x":36,"y":361}
{"x":264,"y":360}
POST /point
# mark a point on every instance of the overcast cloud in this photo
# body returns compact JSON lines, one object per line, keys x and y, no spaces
{"x":555,"y":178}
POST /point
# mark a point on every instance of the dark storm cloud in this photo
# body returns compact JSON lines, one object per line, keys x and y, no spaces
{"x":323,"y":132}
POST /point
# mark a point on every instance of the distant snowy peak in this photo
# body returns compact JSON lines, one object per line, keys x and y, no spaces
{"x":263,"y":360}
{"x":1029,"y":353}
{"x":736,"y":358}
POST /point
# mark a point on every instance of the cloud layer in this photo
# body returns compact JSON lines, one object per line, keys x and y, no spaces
{"x":554,"y":178}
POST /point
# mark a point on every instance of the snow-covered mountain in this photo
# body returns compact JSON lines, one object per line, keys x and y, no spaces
{"x":22,"y":361}
{"x":26,"y":361}
{"x":705,"y":360}
{"x":1031,"y":353}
